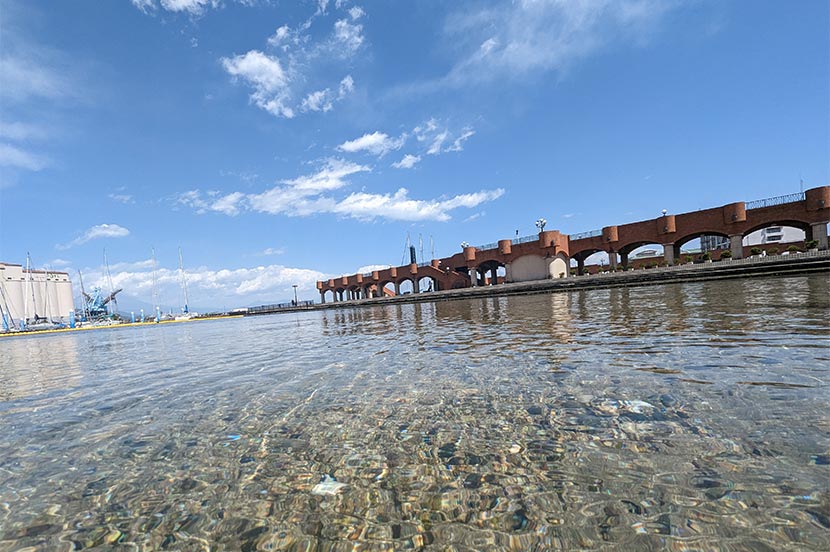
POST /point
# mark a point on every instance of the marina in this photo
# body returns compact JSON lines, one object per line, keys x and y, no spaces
{"x":674,"y":416}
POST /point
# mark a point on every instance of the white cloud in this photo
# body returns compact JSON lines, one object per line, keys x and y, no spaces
{"x":356,"y":13}
{"x":458,"y":143}
{"x":298,"y":80}
{"x":308,"y":195}
{"x":228,"y":204}
{"x":377,"y":143}
{"x":231,"y":287}
{"x":269,"y":251}
{"x":407,"y":162}
{"x":370,"y":268}
{"x":95,"y":232}
{"x":439,"y":139}
{"x":398,"y":206}
{"x":265,"y":74}
{"x":346,"y":87}
{"x":318,"y":101}
{"x":14,"y":157}
{"x":529,"y":36}
{"x":323,"y":100}
{"x":348,"y":36}
{"x":330,"y":177}
{"x":193,"y":7}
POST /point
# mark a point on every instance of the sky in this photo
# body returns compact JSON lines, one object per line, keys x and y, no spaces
{"x":279,"y":143}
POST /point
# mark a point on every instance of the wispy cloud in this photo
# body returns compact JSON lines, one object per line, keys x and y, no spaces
{"x":369,"y":268}
{"x":12,"y":156}
{"x":376,"y":143}
{"x":522,"y":38}
{"x":270,"y":251}
{"x":399,"y":206}
{"x":121,"y":198}
{"x":96,"y":232}
{"x":283,"y":76}
{"x":311,"y":194}
{"x":438,"y":138}
{"x":407,"y":162}
{"x":192,"y":7}
{"x":19,"y":131}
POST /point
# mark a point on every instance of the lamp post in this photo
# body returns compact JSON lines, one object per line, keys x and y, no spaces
{"x":540,"y":224}
{"x":296,"y":303}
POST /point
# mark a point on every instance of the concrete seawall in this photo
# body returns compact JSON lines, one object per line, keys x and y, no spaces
{"x":799,"y":263}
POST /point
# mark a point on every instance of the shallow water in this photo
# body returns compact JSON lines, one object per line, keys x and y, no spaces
{"x":676,"y":417}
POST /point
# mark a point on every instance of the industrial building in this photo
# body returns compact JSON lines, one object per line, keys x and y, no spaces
{"x":35,"y":294}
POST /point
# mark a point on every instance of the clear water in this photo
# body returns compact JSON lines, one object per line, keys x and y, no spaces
{"x":676,"y":417}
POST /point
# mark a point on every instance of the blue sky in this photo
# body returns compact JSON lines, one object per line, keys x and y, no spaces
{"x":283,"y":142}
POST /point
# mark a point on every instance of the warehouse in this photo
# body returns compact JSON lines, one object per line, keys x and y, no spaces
{"x":34,"y":294}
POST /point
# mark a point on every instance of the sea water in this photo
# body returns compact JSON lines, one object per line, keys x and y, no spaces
{"x":674,"y":417}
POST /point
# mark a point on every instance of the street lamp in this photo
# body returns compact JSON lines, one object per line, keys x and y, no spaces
{"x":295,"y":295}
{"x":464,"y":245}
{"x":540,"y":224}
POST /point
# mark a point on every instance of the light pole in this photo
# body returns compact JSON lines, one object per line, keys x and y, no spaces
{"x":295,"y":295}
{"x":540,"y":224}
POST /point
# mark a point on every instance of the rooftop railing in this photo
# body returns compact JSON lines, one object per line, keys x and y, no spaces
{"x":583,"y":235}
{"x":524,"y":239}
{"x":487,"y":246}
{"x":773,"y":201}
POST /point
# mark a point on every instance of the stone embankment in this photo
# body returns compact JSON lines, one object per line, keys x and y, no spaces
{"x":778,"y":265}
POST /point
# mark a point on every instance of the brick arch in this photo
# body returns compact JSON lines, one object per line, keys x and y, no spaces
{"x":402,"y":279}
{"x":801,"y":225}
{"x":679,"y":242}
{"x":436,"y":284}
{"x":584,"y":253}
{"x":629,"y":247}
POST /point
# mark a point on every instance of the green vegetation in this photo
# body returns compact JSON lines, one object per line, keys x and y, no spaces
{"x":794,"y":249}
{"x":755,"y":251}
{"x":726,"y":254}
{"x":811,"y":244}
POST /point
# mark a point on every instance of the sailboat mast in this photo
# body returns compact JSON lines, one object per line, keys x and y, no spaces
{"x":184,"y":281}
{"x":155,"y":282}
{"x":46,"y":295}
{"x":31,"y":288}
{"x":114,"y":301}
{"x":83,"y":295}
